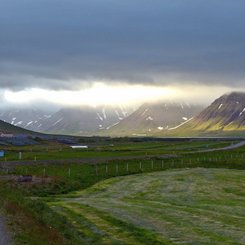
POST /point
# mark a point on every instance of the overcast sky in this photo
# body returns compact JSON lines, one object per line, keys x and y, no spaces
{"x":74,"y":44}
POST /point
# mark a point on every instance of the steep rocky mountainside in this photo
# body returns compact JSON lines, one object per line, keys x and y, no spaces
{"x":225,"y":116}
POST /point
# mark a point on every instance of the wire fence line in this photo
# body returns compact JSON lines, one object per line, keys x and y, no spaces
{"x":120,"y":168}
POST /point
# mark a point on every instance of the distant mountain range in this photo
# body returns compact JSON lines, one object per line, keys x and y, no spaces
{"x":154,"y":118}
{"x":224,"y":117}
{"x":84,"y":120}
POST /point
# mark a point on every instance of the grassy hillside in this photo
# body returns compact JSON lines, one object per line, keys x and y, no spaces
{"x":208,"y":128}
{"x":169,"y":207}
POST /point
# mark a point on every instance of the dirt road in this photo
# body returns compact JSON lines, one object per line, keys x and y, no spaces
{"x":4,"y":234}
{"x":230,"y":147}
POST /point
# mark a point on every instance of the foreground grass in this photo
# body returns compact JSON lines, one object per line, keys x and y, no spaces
{"x":33,"y":222}
{"x":197,"y":206}
{"x":123,"y":216}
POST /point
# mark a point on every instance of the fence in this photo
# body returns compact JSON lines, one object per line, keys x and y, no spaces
{"x":120,"y":168}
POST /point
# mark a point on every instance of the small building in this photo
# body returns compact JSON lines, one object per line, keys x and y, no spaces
{"x":4,"y":135}
{"x":79,"y":146}
{"x":2,"y":153}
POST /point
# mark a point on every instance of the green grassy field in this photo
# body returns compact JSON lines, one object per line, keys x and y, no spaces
{"x":117,"y":149}
{"x":184,"y":197}
{"x":197,"y":206}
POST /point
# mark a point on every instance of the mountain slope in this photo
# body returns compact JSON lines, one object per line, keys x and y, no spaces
{"x":7,"y":128}
{"x":84,"y":120}
{"x":26,"y":118}
{"x":152,"y":118}
{"x":225,"y":116}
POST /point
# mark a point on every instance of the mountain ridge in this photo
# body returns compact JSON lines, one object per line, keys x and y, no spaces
{"x":225,"y":116}
{"x":151,"y":118}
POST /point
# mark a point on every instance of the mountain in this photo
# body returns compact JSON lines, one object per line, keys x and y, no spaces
{"x":225,"y":116}
{"x":84,"y":120}
{"x":26,"y":118}
{"x":154,"y":118}
{"x":8,"y":129}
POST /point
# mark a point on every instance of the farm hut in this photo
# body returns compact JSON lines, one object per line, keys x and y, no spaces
{"x":79,"y":147}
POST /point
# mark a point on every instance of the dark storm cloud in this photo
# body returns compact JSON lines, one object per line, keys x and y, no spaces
{"x":49,"y":43}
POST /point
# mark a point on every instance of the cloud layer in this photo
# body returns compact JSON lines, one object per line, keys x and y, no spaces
{"x":66,"y":44}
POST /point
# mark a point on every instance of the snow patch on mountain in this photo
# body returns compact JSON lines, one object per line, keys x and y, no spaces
{"x":100,"y":117}
{"x":149,"y":118}
{"x":104,"y":114}
{"x":242,"y":112}
{"x":29,"y":123}
{"x":18,"y":123}
{"x":112,"y":125}
{"x":57,"y":121}
{"x":180,"y":124}
{"x":144,"y":112}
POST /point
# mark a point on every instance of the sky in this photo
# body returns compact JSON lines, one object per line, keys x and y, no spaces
{"x":72,"y":52}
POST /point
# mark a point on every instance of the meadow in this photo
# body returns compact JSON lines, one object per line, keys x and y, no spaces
{"x":175,"y":193}
{"x":195,"y":206}
{"x":54,"y":151}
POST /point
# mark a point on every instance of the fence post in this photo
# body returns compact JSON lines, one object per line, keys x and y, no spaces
{"x":152,"y":164}
{"x":106,"y":169}
{"x":162,"y":164}
{"x":140,"y":165}
{"x":117,"y":168}
{"x":96,"y":169}
{"x":127,"y":166}
{"x":69,"y":172}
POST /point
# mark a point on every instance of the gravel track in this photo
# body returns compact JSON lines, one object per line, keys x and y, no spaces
{"x":230,"y":147}
{"x":4,"y":235}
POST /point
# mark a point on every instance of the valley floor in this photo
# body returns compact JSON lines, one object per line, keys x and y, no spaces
{"x":188,"y":206}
